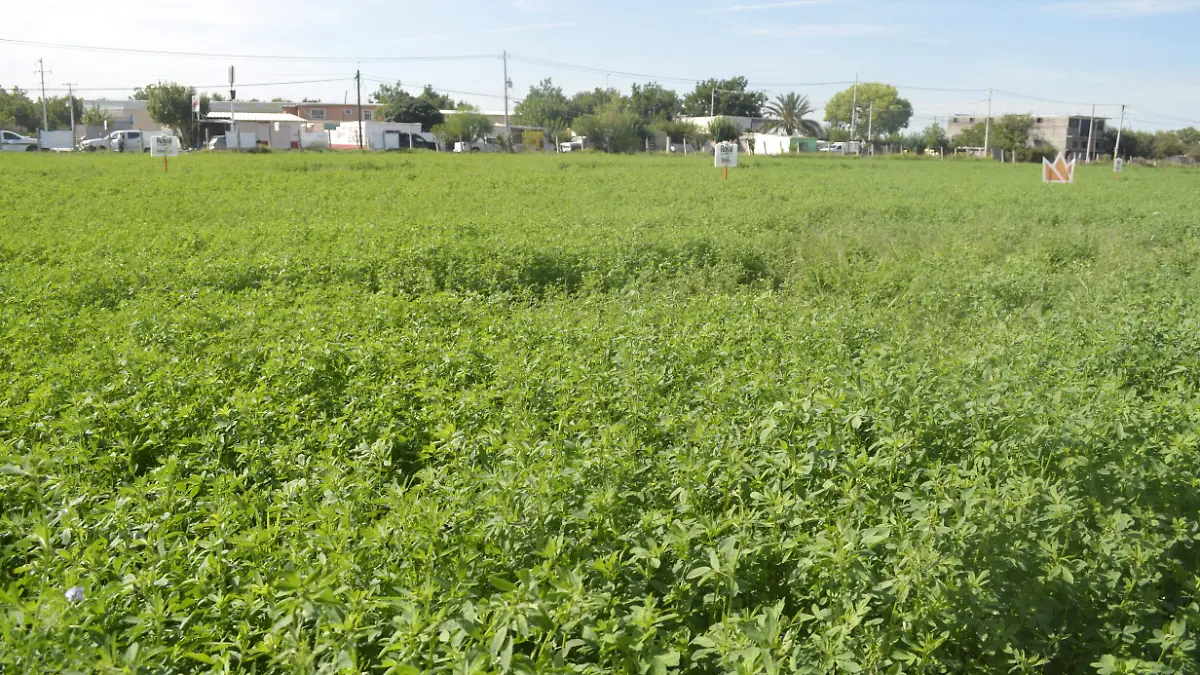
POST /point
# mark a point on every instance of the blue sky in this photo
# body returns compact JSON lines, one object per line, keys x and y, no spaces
{"x":1139,"y":52}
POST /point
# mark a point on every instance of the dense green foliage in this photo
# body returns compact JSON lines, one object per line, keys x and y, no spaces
{"x":424,"y":108}
{"x":880,"y":110}
{"x":590,"y":414}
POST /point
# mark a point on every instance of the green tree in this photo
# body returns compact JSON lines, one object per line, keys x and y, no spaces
{"x":95,"y":117}
{"x":723,"y":129}
{"x":544,"y":106}
{"x":531,"y":139}
{"x":935,"y":137}
{"x":18,"y":112}
{"x":170,"y":104}
{"x":216,"y":96}
{"x":1011,"y":132}
{"x":58,"y":111}
{"x":590,"y":102}
{"x":678,"y":131}
{"x":891,"y":113}
{"x":424,"y":109}
{"x":467,"y":125}
{"x":731,"y":99}
{"x":556,"y":129}
{"x":612,"y":127}
{"x":654,"y":103}
{"x":788,"y":113}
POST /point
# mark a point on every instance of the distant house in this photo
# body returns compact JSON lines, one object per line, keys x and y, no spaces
{"x":334,"y":112}
{"x":1066,"y":133}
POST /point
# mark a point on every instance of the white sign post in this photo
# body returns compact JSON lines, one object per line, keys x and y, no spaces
{"x":1118,"y":167}
{"x":164,"y":146}
{"x":724,"y":156}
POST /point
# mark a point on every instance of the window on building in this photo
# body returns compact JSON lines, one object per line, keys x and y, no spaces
{"x":972,"y":120}
{"x":368,"y":115}
{"x":651,"y":143}
{"x":316,"y":114}
{"x":348,"y":112}
{"x":956,"y":120}
{"x":1039,"y":120}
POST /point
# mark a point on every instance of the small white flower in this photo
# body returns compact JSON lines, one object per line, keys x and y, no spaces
{"x":75,"y":595}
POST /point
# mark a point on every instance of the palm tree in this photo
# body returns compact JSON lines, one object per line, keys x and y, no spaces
{"x":788,"y":113}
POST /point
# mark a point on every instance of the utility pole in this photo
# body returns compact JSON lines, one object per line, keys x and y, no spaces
{"x":71,"y":106}
{"x":1091,"y":134}
{"x":987,"y":128}
{"x":507,"y":86}
{"x":1120,"y":128}
{"x":854,"y":108}
{"x":358,"y":86}
{"x":42,"y":69}
{"x":871,"y":129}
{"x":232,"y":116}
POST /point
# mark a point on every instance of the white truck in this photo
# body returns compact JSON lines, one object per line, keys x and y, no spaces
{"x":127,"y":140}
{"x":489,"y":144}
{"x":14,"y":142}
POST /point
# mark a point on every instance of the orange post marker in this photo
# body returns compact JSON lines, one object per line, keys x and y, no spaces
{"x":164,"y":163}
{"x":726,"y":173}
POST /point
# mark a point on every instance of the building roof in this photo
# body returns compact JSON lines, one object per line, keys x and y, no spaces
{"x":323,"y":104}
{"x":219,"y":116}
{"x":488,"y":113}
{"x":1033,"y":115}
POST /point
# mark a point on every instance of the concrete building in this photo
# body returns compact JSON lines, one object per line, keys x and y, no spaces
{"x":1066,"y":133}
{"x":333,"y":112}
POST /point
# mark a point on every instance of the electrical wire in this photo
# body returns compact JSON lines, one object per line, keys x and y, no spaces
{"x":383,"y":80}
{"x":597,"y":71}
{"x":264,"y":57}
{"x":197,"y":86}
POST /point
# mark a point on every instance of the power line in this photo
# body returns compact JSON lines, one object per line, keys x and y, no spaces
{"x":1014,"y":94}
{"x":205,"y":86}
{"x":383,"y":80}
{"x":265,"y":57}
{"x":1151,"y":113}
{"x":598,"y":71}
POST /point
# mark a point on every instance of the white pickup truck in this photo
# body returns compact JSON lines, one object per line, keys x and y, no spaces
{"x":489,"y":144}
{"x":14,"y":142}
{"x":123,"y":141}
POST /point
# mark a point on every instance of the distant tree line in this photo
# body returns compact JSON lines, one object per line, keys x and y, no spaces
{"x":19,"y":112}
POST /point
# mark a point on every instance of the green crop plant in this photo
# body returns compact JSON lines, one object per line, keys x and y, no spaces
{"x":490,"y":414}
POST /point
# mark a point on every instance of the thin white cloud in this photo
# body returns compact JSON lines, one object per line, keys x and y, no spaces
{"x":532,"y":5}
{"x":816,"y":30}
{"x":532,"y":26}
{"x":763,"y":6}
{"x":1123,"y":8}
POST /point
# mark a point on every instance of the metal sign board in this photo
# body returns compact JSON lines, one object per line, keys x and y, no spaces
{"x":329,"y":126}
{"x":164,"y":146}
{"x":195,"y":105}
{"x":1058,"y":171}
{"x":725,"y":155}
{"x":1118,"y":165}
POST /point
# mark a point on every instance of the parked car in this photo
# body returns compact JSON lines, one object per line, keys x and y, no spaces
{"x":14,"y":142}
{"x":216,"y":143}
{"x":489,"y":144}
